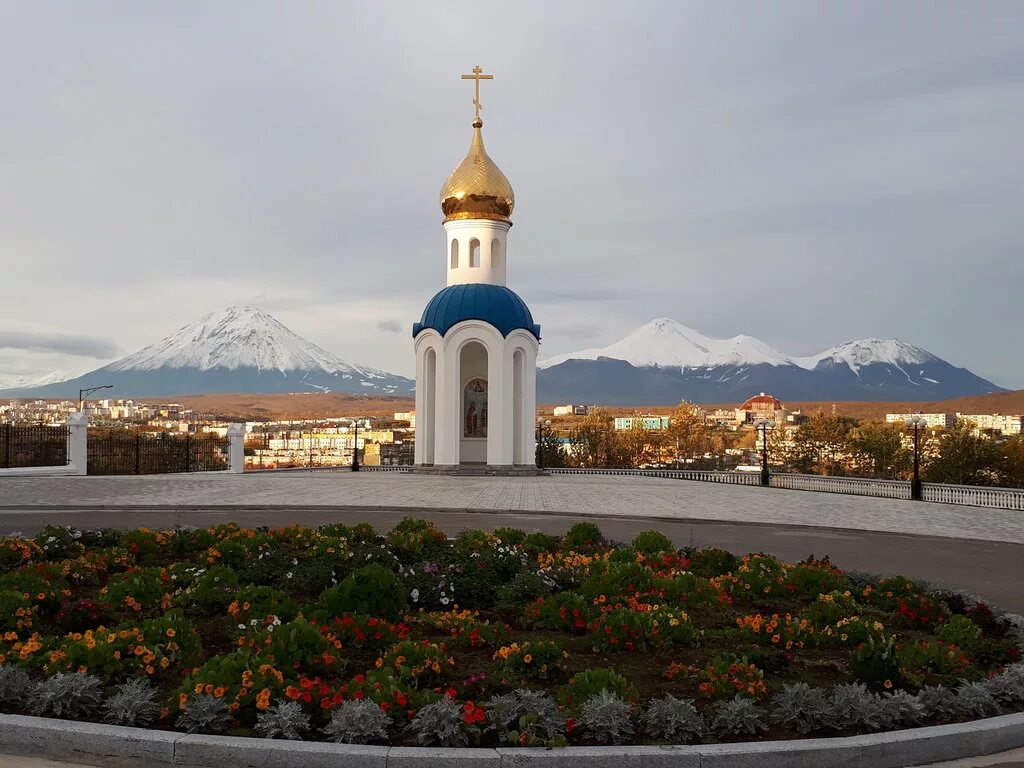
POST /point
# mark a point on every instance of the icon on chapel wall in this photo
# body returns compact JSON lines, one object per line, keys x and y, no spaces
{"x":475,"y":409}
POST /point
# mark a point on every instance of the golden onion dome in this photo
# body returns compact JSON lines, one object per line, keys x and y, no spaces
{"x":477,"y":189}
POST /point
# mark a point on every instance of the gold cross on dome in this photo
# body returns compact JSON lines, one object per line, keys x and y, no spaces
{"x":478,"y":76}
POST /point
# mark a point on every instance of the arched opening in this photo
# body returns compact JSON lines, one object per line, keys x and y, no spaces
{"x":428,"y":418}
{"x":474,"y":253}
{"x":518,"y":368}
{"x":473,"y":404}
{"x":455,"y":254}
{"x":495,"y":253}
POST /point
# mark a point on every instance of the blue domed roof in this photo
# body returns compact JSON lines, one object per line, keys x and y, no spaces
{"x":494,"y":304}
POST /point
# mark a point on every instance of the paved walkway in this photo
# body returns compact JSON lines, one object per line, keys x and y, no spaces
{"x":616,"y":496}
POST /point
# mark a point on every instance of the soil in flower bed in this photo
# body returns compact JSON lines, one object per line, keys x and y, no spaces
{"x":321,"y":617}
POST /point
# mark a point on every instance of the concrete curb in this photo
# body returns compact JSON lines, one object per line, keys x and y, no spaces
{"x":118,"y":747}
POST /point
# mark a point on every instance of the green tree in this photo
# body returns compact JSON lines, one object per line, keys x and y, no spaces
{"x":964,"y":458}
{"x":822,"y":445}
{"x":881,"y":450}
{"x":1011,"y":462}
{"x":688,"y":433}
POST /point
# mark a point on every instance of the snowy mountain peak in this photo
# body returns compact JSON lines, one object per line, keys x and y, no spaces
{"x":864,"y":352}
{"x":238,"y":337}
{"x":664,"y":342}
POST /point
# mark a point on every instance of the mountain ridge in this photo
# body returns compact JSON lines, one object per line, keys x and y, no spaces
{"x":237,"y":349}
{"x":666,"y":359}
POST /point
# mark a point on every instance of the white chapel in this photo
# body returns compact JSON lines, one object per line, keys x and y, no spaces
{"x":476,"y":343}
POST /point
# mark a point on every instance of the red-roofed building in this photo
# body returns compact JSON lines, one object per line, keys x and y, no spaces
{"x":763,"y":406}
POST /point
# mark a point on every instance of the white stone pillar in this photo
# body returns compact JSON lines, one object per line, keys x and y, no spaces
{"x":236,"y":449}
{"x":78,"y":443}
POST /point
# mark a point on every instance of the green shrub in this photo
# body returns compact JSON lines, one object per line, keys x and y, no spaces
{"x":622,"y":580}
{"x":875,"y":663}
{"x":814,"y":577}
{"x":210,"y":592}
{"x":373,"y":590}
{"x":565,"y":611}
{"x":137,"y":592}
{"x":253,"y":604}
{"x":710,"y":563}
{"x":297,"y":645}
{"x":961,"y":631}
{"x":830,"y":608}
{"x":536,"y":543}
{"x":414,"y":540}
{"x":540,"y":658}
{"x":510,"y":535}
{"x":585,"y":684}
{"x":59,"y":543}
{"x":652,"y":542}
{"x":583,"y":536}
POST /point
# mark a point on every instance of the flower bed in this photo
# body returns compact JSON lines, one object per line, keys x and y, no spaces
{"x":509,"y":638}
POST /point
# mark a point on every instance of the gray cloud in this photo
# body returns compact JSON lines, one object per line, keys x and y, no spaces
{"x":391,"y":326}
{"x":80,"y":346}
{"x":805,"y":172}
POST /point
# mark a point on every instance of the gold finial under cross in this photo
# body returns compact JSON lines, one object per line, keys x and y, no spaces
{"x":478,"y":76}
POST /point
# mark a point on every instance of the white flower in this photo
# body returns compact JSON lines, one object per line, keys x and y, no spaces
{"x":241,"y":626}
{"x":288,"y":575}
{"x":444,"y":601}
{"x":415,"y":595}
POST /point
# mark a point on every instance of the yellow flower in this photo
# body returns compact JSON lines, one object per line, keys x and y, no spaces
{"x":528,"y":658}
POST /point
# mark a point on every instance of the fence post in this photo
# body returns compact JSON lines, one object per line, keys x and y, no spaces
{"x":78,"y":443}
{"x":188,"y":452}
{"x":7,"y":444}
{"x":138,"y":454}
{"x":236,"y":448}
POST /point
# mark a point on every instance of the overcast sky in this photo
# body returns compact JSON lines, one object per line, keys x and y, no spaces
{"x":804,"y":172}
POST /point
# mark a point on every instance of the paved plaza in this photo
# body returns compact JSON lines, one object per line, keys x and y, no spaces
{"x":598,"y":495}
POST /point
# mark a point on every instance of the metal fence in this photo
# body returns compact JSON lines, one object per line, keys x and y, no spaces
{"x":967,"y":495}
{"x":33,"y":445}
{"x":145,"y":453}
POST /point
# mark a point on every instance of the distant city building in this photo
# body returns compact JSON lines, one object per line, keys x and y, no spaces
{"x":409,"y":416}
{"x":571,"y":410}
{"x":647,"y":422}
{"x":932,"y":420}
{"x":993,"y":422}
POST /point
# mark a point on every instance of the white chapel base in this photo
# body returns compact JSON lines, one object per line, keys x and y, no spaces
{"x":478,"y":470}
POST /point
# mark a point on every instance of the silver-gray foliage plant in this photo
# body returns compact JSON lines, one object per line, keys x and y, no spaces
{"x":976,"y":700}
{"x":739,"y":715}
{"x":534,"y":712}
{"x":67,"y":695}
{"x":15,"y":685}
{"x":800,"y":707}
{"x":440,"y":725}
{"x":204,"y":713}
{"x":134,"y":704}
{"x":358,"y":722}
{"x":900,"y":709}
{"x":1014,"y":628}
{"x":283,"y":720}
{"x":1008,"y":687}
{"x":607,"y":718}
{"x":939,"y":702}
{"x":853,"y":707}
{"x":673,"y":720}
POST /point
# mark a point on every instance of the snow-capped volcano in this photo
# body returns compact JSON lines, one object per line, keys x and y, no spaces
{"x":664,"y":342}
{"x":238,"y":337}
{"x":858,"y":354}
{"x":238,"y":349}
{"x":663,"y":361}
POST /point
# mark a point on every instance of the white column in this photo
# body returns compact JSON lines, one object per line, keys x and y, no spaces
{"x":78,"y":443}
{"x":236,"y":450}
{"x":447,"y":419}
{"x":420,"y":429}
{"x":499,"y":405}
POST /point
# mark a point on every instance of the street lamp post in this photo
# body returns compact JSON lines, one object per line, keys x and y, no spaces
{"x":762,"y":426}
{"x":84,"y":393}
{"x":541,"y":424}
{"x":918,"y":422}
{"x":355,"y":445}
